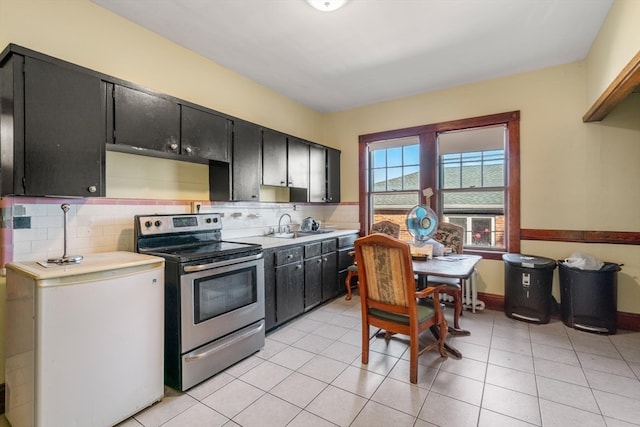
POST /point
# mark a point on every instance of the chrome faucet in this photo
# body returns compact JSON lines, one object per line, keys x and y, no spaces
{"x":280,"y":221}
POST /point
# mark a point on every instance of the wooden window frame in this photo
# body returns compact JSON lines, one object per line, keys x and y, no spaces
{"x":428,"y":162}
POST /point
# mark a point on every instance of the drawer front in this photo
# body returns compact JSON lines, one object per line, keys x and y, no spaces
{"x":329,"y":246}
{"x":347,"y":241}
{"x":312,"y":249}
{"x":285,"y":256}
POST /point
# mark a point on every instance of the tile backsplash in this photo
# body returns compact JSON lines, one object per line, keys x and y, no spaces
{"x":33,"y":228}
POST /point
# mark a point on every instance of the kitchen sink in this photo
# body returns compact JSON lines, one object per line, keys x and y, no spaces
{"x":312,"y":233}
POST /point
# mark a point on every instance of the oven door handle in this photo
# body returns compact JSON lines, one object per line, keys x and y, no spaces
{"x":218,"y":264}
{"x":207,"y":352}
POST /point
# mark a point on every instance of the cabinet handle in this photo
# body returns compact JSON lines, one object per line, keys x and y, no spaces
{"x":173,"y":146}
{"x":92,"y":189}
{"x":188,"y":150}
{"x":298,"y":267}
{"x":324,"y":259}
{"x":319,"y":261}
{"x":289,"y":256}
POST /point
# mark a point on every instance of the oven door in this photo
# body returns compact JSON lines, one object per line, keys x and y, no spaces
{"x":220,"y":298}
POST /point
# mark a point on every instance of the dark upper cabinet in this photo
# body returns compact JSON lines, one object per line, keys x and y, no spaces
{"x":324,"y":174}
{"x":274,"y":158}
{"x":54,"y":144}
{"x":205,"y":135}
{"x":333,"y":175}
{"x":143,"y":120}
{"x":246,"y":161}
{"x":297,"y":163}
{"x":317,"y":174}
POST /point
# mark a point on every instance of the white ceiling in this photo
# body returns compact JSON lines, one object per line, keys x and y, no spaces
{"x":373,"y":50}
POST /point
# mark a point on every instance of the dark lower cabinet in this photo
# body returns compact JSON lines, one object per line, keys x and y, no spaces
{"x":270,"y":288}
{"x":312,"y":282}
{"x":289,"y":291}
{"x":298,"y":278}
{"x":53,"y":120}
{"x":289,"y":283}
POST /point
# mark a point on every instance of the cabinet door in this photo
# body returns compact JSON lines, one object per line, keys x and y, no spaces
{"x":289,"y":291}
{"x":146,"y":121}
{"x":333,"y":175}
{"x":317,"y":174}
{"x":330,"y":285}
{"x":205,"y":135}
{"x":312,"y":282}
{"x":297,"y":163}
{"x":63,"y":131}
{"x":274,"y":158}
{"x":246,"y":161}
{"x":269,"y":289}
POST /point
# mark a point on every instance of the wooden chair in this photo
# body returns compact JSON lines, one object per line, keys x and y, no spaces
{"x":385,"y":227}
{"x":388,"y":297}
{"x":450,"y":235}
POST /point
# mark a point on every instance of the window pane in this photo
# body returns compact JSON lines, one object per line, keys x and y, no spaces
{"x":379,"y":159}
{"x":411,"y":154}
{"x":473,"y":202}
{"x":394,"y":177}
{"x":379,"y":180}
{"x":394,"y":156}
{"x":481,"y":232}
{"x":471,"y":171}
{"x":394,"y":207}
{"x":411,"y":179}
{"x":493,"y":170}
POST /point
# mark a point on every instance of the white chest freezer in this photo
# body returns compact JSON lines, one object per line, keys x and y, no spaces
{"x":84,"y":341}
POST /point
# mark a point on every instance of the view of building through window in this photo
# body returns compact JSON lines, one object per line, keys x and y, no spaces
{"x":470,"y":182}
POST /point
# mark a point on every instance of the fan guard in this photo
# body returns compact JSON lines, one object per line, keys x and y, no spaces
{"x":422,"y":223}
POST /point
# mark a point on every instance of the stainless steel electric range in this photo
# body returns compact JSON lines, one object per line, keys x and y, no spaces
{"x":214,"y":294}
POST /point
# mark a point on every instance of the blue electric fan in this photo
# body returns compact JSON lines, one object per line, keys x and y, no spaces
{"x":422,"y":223}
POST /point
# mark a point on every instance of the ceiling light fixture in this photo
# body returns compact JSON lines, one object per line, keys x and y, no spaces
{"x":327,"y":5}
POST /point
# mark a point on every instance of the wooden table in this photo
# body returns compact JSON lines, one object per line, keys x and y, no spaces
{"x":453,"y":266}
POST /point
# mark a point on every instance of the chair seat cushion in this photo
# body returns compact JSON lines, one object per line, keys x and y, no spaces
{"x":353,"y":268}
{"x":449,"y":281}
{"x":425,"y":311}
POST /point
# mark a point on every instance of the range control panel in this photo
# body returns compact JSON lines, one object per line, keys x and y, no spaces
{"x":148,"y":225}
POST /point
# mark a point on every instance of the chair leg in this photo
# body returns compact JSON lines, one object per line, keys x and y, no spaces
{"x":413,"y":357}
{"x":347,"y":283}
{"x":457,"y":309}
{"x":365,"y":343}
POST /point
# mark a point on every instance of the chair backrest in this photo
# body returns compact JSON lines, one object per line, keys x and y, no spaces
{"x":386,"y":227}
{"x":450,"y":235}
{"x":385,"y":271}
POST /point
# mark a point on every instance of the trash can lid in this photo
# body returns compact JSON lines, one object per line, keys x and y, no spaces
{"x":529,"y":261}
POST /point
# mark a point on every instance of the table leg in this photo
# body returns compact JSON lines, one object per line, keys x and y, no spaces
{"x":453,"y":351}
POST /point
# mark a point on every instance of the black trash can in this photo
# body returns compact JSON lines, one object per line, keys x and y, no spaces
{"x":527,"y":287}
{"x":589,"y":298}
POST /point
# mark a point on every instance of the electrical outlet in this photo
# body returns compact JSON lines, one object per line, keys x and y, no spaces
{"x":195,"y":207}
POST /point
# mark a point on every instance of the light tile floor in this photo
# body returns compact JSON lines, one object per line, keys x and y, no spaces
{"x":511,"y":374}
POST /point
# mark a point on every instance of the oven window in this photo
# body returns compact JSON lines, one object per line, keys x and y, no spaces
{"x":222,"y":293}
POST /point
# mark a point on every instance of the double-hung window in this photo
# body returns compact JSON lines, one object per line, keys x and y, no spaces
{"x":471,"y":172}
{"x":471,"y":165}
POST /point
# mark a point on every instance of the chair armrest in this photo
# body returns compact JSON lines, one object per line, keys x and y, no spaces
{"x":423,"y":293}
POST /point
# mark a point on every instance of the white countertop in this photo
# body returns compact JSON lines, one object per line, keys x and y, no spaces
{"x":273,"y":242}
{"x":91,"y":263}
